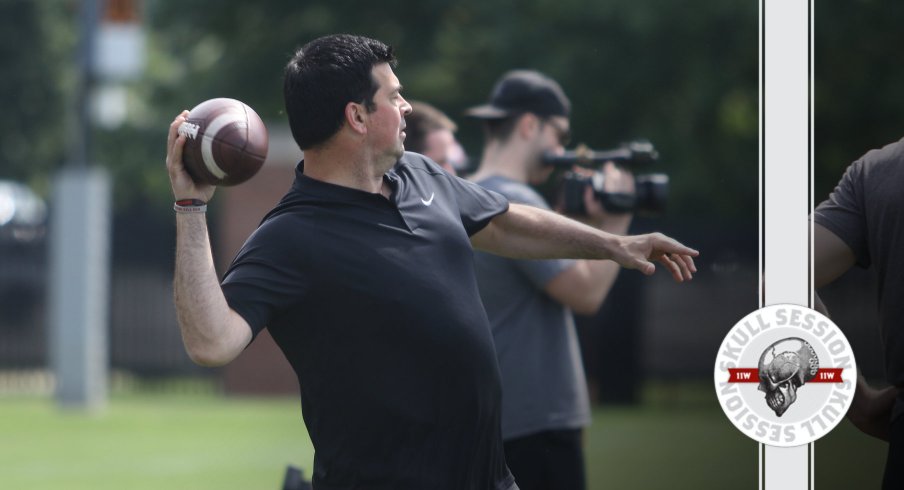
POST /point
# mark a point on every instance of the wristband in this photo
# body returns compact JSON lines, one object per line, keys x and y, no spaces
{"x":190,"y":206}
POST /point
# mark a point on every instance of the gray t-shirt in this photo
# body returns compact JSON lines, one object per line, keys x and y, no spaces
{"x":866,"y":211}
{"x":543,"y":385}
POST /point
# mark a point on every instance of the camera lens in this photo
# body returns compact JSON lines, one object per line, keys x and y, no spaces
{"x":652,"y":192}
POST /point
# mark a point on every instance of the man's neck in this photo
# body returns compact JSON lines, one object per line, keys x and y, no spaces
{"x":339,"y":166}
{"x":507,"y":161}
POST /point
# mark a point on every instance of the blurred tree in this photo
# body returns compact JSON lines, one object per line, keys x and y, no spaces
{"x":859,"y":104}
{"x":36,"y":42}
{"x":682,"y":74}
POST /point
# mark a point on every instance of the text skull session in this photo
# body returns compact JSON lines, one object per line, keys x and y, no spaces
{"x":785,"y":375}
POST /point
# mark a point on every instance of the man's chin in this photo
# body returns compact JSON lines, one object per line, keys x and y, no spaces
{"x":389,"y":159}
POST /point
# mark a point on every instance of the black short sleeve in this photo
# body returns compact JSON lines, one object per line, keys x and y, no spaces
{"x":476,"y":205}
{"x":844,"y":213}
{"x":266,"y":276}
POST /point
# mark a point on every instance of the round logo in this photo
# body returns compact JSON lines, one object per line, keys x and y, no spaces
{"x":785,"y":375}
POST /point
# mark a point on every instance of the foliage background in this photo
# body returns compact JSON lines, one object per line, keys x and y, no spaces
{"x":857,"y":85}
{"x":682,"y":74}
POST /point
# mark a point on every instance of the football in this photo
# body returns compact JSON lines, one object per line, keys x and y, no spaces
{"x":226,"y":142}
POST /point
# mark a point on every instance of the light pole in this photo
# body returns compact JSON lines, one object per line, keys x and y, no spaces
{"x":79,"y":250}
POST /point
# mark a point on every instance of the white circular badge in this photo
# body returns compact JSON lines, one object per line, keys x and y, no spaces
{"x":785,"y":375}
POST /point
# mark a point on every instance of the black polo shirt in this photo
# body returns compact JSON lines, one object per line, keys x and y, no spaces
{"x":375,"y":304}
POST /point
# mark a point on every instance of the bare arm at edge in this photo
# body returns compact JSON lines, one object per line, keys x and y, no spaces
{"x":831,"y":256}
{"x":871,"y":408}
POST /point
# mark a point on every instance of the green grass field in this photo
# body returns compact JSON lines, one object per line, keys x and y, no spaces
{"x":678,"y":438}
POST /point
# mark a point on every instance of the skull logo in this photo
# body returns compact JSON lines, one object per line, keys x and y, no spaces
{"x":784,"y":367}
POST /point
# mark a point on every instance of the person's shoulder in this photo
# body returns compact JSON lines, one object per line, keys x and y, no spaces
{"x":877,"y":166}
{"x":289,"y":237}
{"x":417,"y":161}
{"x":278,"y":229}
{"x":514,"y":191}
{"x":294,"y":203}
{"x":890,"y":154}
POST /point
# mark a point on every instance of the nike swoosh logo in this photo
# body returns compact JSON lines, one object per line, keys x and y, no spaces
{"x":428,"y":202}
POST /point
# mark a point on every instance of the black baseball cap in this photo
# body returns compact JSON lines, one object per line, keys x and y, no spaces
{"x":521,"y":91}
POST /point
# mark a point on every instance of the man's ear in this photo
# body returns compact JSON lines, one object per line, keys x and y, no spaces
{"x":527,"y":125}
{"x":356,"y":117}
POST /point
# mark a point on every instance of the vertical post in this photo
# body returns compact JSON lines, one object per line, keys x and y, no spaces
{"x":79,"y":291}
{"x":785,"y":63}
{"x":79,"y":250}
{"x":80,"y":126}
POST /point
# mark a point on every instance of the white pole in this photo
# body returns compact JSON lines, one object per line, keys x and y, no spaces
{"x":79,"y":286}
{"x":786,"y":134}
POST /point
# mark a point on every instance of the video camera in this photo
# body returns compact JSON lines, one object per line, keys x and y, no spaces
{"x":650,"y":190}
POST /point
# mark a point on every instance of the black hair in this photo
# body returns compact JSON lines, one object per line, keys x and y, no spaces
{"x":325,"y":75}
{"x":501,"y":129}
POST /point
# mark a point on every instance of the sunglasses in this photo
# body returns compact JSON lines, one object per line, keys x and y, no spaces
{"x":562,"y":133}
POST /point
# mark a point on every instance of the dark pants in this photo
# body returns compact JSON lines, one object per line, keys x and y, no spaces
{"x":551,"y":460}
{"x":894,"y":464}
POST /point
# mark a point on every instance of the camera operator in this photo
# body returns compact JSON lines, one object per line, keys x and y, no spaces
{"x":529,"y":303}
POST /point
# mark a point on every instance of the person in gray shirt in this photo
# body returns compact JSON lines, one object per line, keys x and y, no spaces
{"x":529,"y":303}
{"x":862,"y":223}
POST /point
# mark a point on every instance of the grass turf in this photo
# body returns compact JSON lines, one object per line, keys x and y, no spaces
{"x":678,"y":438}
{"x":152,"y":442}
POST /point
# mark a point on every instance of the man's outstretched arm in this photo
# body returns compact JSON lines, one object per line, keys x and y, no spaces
{"x":213,"y":333}
{"x":525,"y":232}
